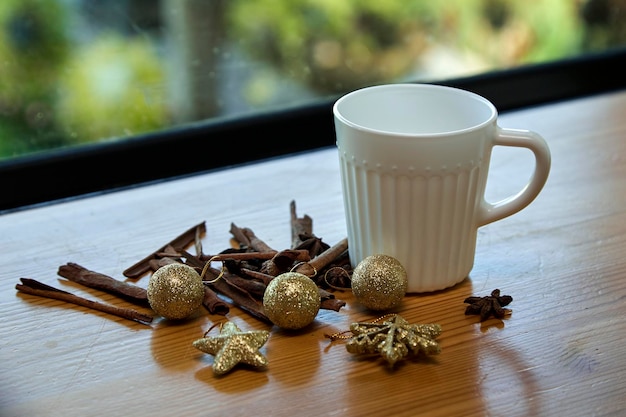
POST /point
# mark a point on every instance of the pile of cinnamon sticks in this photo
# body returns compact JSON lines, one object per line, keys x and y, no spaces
{"x":250,"y":264}
{"x":247,"y":267}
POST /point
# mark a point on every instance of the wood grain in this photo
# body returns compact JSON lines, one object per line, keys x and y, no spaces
{"x":562,"y":259}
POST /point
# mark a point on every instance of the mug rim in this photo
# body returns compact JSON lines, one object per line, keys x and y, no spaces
{"x":418,"y":86}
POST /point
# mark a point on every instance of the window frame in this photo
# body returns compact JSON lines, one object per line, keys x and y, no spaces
{"x":212,"y":144}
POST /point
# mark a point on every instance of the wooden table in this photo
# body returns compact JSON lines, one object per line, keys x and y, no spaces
{"x":563,"y":259}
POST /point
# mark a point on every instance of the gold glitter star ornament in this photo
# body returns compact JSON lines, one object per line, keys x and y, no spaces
{"x":233,"y":346}
{"x":393,"y":338}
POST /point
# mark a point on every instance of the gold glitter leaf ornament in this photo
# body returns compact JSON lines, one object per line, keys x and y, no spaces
{"x":233,"y":346}
{"x":393,"y":338}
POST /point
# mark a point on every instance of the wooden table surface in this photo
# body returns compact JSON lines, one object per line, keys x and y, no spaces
{"x":562,"y":259}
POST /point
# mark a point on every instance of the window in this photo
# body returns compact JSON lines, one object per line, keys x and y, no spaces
{"x":103,"y":79}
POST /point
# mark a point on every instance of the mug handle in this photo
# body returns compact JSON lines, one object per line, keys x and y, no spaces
{"x":521,"y":139}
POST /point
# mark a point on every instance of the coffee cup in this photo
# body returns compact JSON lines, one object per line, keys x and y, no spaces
{"x":414,"y":162}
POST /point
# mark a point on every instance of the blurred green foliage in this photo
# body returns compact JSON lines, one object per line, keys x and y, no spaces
{"x":112,"y":88}
{"x":33,"y":47}
{"x":336,"y":46}
{"x":32,"y":54}
{"x":56,"y":90}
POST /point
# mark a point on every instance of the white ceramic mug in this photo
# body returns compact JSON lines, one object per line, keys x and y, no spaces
{"x":414,"y":161}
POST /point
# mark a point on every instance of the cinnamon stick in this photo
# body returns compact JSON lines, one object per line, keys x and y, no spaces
{"x":239,"y":236}
{"x":88,"y":278}
{"x":34,"y":287}
{"x":168,"y":252}
{"x":179,"y":242}
{"x":158,"y":263}
{"x":264,"y":278}
{"x":248,"y":236}
{"x":213,"y":303}
{"x":324,"y":259}
{"x":255,"y":288}
{"x":238,"y":295}
{"x":301,"y":227}
{"x":332,"y":304}
{"x":193,"y":260}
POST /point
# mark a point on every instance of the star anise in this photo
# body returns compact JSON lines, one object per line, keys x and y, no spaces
{"x":488,"y":305}
{"x":394,"y":338}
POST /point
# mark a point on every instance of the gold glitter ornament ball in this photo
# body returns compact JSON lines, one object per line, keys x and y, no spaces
{"x":175,"y":291}
{"x":291,"y":300}
{"x":379,"y":282}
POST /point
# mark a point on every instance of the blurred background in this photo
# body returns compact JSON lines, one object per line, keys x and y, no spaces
{"x":74,"y":72}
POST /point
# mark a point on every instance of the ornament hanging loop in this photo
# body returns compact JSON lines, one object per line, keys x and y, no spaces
{"x":214,"y":326}
{"x":206,"y":268}
{"x":342,"y":335}
{"x":335,"y":286}
{"x":299,"y":264}
{"x":338,"y":335}
{"x":386,"y":316}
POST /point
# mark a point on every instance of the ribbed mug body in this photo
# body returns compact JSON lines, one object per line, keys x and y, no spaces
{"x":416,"y":202}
